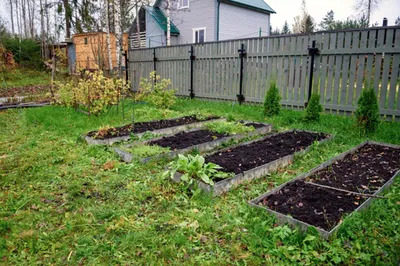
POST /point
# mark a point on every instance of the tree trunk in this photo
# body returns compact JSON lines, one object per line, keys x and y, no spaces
{"x":46,"y":52}
{"x":117,"y":16}
{"x":12,"y":17}
{"x":110,"y":65}
{"x":24,"y":18}
{"x":168,"y":23}
{"x":138,"y":23}
{"x":42,"y":30}
{"x":67,"y":10}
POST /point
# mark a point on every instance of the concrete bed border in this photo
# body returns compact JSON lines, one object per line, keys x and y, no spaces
{"x":203,"y":147}
{"x":255,"y":173}
{"x":165,"y":131}
{"x":303,"y":225}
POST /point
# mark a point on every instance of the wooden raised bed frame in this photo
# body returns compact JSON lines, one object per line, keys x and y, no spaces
{"x":304,"y":226}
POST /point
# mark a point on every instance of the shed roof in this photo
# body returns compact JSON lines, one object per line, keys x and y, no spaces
{"x":161,"y":19}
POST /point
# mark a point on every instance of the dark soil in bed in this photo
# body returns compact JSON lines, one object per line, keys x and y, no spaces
{"x":141,"y":127}
{"x":364,"y":171}
{"x":246,"y":157}
{"x":187,"y":139}
{"x":317,"y":206}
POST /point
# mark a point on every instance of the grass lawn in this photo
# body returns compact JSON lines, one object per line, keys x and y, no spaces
{"x":24,"y":77}
{"x":63,"y":202}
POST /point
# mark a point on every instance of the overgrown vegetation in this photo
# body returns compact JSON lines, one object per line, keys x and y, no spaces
{"x":93,"y":93}
{"x":144,"y":151}
{"x":195,"y":168}
{"x":367,"y":113}
{"x":65,"y":202}
{"x":314,"y":109}
{"x":272,"y":105}
{"x":231,"y":128}
{"x":156,"y":91}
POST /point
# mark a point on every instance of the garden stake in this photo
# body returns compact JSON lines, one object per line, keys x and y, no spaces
{"x":347,"y":191}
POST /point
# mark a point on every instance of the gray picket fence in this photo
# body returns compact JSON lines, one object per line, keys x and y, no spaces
{"x":348,"y":61}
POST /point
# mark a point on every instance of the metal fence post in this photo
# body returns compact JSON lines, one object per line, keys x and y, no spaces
{"x":242,"y":54}
{"x":192,"y":58}
{"x":155,"y":65}
{"x":311,"y":51}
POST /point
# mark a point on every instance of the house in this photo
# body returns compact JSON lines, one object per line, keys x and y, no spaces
{"x":196,"y":21}
{"x":89,"y":50}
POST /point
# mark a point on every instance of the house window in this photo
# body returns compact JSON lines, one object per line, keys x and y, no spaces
{"x":199,"y":35}
{"x":183,"y":4}
{"x":85,"y":40}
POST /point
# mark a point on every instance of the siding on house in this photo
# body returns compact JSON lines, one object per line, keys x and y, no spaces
{"x":238,"y":22}
{"x":200,"y":14}
{"x":155,"y":36}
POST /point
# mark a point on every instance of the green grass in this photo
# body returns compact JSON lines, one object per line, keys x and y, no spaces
{"x":63,"y":202}
{"x":23,"y":78}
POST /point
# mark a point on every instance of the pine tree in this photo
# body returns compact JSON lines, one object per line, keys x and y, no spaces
{"x":285,"y":29}
{"x":328,"y":21}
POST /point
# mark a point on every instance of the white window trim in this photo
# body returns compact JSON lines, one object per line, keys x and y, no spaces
{"x":198,"y":29}
{"x":183,"y":7}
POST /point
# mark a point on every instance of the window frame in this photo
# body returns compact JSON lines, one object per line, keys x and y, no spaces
{"x":181,"y":6}
{"x":198,"y":30}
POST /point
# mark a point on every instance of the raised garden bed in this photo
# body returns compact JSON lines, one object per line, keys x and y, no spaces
{"x":257,"y":158}
{"x":347,"y":183}
{"x":167,"y":126}
{"x":200,"y":139}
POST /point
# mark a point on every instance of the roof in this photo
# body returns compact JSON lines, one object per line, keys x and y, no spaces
{"x":161,"y":19}
{"x":256,"y":4}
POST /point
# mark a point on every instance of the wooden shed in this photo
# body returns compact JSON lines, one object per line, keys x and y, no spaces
{"x":91,"y":50}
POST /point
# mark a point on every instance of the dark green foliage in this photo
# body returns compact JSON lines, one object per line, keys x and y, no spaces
{"x":367,"y":112}
{"x":26,"y":52}
{"x":272,"y":100}
{"x":314,"y":108}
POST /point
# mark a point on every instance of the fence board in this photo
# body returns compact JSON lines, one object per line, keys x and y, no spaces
{"x":349,"y":60}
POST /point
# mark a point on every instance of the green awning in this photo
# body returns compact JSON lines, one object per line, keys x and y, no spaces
{"x":161,"y":19}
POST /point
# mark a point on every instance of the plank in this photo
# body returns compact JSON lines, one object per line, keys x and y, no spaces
{"x":345,"y":73}
{"x":331,"y":64}
{"x":378,"y":63}
{"x":304,"y":69}
{"x":291,"y":77}
{"x":386,"y":69}
{"x":297,"y":69}
{"x":353,"y":69}
{"x":324,"y":63}
{"x":338,"y":70}
{"x":361,"y":64}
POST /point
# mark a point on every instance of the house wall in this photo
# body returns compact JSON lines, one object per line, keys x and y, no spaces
{"x":155,"y":36}
{"x":200,"y":14}
{"x":238,"y":22}
{"x":94,"y":54}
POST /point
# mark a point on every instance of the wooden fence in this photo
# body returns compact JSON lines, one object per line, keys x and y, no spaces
{"x":348,"y":61}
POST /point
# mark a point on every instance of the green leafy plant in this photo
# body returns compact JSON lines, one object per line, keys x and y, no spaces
{"x":94,"y":93}
{"x":155,"y":91}
{"x":314,"y":109}
{"x":194,"y":168}
{"x":272,"y":99}
{"x":367,"y":113}
{"x":231,"y":128}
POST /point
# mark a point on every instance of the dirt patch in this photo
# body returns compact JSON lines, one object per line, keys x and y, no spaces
{"x":187,"y":139}
{"x":246,"y":157}
{"x":364,"y":171}
{"x":317,"y":206}
{"x":141,"y":127}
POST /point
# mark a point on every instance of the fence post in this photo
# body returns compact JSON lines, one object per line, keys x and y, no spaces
{"x":192,"y":58}
{"x":126,"y":65}
{"x":242,"y":54}
{"x":154,"y":65}
{"x":311,"y":51}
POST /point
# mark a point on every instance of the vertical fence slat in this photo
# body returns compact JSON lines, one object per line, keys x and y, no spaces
{"x":346,"y":64}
